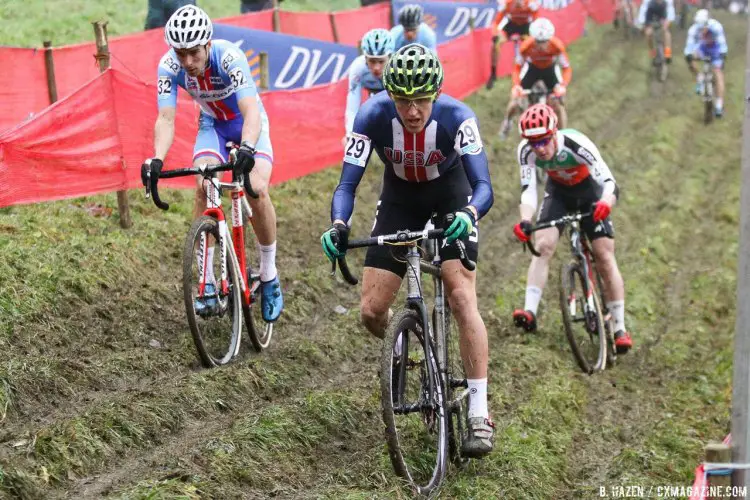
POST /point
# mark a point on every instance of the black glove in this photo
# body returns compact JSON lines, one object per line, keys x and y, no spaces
{"x":153,"y":164}
{"x":245,"y":157}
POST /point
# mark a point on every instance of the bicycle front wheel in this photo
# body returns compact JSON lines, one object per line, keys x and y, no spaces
{"x":582,"y":318}
{"x":213,"y":306}
{"x":413,"y":404}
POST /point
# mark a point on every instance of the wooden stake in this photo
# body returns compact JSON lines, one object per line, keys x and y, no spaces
{"x":276,"y":16}
{"x":741,"y":369}
{"x":333,"y":27}
{"x":264,"y":76}
{"x":102,"y":57}
{"x":718,"y":453}
{"x":49,"y":64}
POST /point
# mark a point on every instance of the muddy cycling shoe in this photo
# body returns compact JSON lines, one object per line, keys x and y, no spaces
{"x":524,"y":319}
{"x":206,"y":303}
{"x":479,"y":438}
{"x":623,"y":342}
{"x":271,"y":300}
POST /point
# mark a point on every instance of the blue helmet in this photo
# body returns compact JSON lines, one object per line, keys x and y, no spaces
{"x":377,"y":43}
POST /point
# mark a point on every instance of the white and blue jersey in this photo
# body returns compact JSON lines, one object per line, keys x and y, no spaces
{"x":425,"y":36}
{"x":707,"y":42}
{"x":449,"y":142}
{"x":360,"y":78}
{"x":225,"y":81}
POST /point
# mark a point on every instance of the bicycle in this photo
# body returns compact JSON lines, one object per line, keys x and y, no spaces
{"x":435,"y":398}
{"x":582,"y":299}
{"x":707,"y":94}
{"x":538,"y":93}
{"x":233,"y":296}
{"x":659,"y":63}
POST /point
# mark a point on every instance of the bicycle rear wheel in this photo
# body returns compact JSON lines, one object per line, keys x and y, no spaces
{"x":708,"y":100}
{"x":582,"y":318}
{"x":258,"y":331}
{"x":212,"y":306}
{"x":412,"y":400}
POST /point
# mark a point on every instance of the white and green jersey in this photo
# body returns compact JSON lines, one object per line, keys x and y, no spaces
{"x":577,"y":160}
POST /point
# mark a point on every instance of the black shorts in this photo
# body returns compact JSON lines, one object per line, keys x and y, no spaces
{"x":512,"y":28}
{"x":427,"y":200}
{"x":550,"y":75}
{"x":656,"y":13}
{"x":561,"y":200}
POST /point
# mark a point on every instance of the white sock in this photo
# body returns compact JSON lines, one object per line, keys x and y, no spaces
{"x":719,"y":103}
{"x":208,"y":265}
{"x":533,"y":296}
{"x":267,"y":262}
{"x":617,"y":310}
{"x":478,"y":397}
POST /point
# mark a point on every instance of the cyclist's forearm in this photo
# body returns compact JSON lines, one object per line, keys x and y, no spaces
{"x":163,"y":135}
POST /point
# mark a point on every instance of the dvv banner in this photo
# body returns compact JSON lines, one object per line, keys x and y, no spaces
{"x":293,"y":62}
{"x":451,"y":19}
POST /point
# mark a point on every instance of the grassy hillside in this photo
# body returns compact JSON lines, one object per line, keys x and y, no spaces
{"x":69,"y":21}
{"x":90,"y":409}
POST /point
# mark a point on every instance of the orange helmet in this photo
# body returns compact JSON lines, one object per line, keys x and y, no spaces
{"x":537,"y":122}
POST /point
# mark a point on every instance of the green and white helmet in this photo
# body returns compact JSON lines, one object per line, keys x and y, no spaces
{"x":413,"y":69}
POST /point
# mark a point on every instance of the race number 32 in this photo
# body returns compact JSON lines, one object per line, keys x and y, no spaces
{"x":164,"y":86}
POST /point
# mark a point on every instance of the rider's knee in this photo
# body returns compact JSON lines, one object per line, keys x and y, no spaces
{"x":545,"y":247}
{"x":462,"y":300}
{"x":373,"y":316}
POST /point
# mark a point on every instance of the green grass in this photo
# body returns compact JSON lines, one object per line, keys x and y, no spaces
{"x":69,"y":21}
{"x":90,"y":410}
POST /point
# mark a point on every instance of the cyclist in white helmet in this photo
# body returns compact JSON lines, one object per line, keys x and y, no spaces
{"x":542,"y":56}
{"x":706,"y":39}
{"x":215,"y":73}
{"x":366,"y":72}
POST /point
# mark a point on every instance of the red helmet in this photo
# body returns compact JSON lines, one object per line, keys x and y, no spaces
{"x":537,"y":122}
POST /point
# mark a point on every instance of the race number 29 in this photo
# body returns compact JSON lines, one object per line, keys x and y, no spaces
{"x":357,"y":149}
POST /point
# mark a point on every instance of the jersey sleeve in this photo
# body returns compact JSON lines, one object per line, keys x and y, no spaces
{"x":691,"y":43}
{"x":563,"y":61}
{"x":354,"y":95}
{"x":166,"y":82}
{"x":588,"y":154}
{"x":528,"y":174}
{"x":428,"y":37}
{"x":721,"y":39}
{"x":357,"y":154}
{"x":235,"y":67}
{"x":642,"y":13}
{"x":468,"y":144}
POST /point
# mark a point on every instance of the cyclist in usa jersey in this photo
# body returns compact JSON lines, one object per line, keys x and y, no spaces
{"x":215,"y":73}
{"x":578,"y":180}
{"x":435,"y":164}
{"x":366,"y":72}
{"x":411,"y":29}
{"x":706,"y":39}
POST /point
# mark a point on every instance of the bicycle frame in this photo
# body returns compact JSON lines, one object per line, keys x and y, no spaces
{"x":236,"y":238}
{"x":580,"y":249}
{"x":708,"y":80}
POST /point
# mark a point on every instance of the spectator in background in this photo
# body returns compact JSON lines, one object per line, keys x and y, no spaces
{"x":161,"y":10}
{"x":255,"y":5}
{"x":411,"y":29}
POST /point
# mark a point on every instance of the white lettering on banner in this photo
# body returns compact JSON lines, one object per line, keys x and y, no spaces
{"x":459,"y":23}
{"x":556,"y":4}
{"x":303,"y":60}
